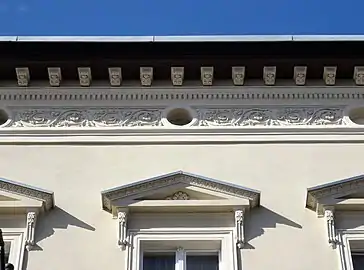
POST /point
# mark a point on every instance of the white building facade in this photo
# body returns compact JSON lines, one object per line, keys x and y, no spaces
{"x":156,"y":160}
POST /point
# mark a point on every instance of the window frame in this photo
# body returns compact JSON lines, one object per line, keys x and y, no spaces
{"x":17,"y":246}
{"x":227,"y":254}
{"x":181,"y":255}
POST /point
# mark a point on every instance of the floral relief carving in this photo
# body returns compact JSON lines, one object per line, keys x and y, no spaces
{"x":179,"y":195}
{"x":87,"y":118}
{"x":207,"y":117}
{"x":270,"y":116}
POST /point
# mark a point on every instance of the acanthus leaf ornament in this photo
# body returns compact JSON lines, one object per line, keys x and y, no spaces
{"x":30,"y":229}
{"x":152,"y":117}
{"x":93,"y":117}
{"x":122,"y":228}
{"x":239,"y":227}
{"x":179,"y":195}
{"x":330,"y":224}
{"x":287,"y":116}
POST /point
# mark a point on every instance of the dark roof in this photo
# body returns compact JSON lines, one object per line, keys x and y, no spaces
{"x":162,"y":53}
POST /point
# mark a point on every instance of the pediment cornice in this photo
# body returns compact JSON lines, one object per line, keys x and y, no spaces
{"x":320,"y":196}
{"x":27,"y":200}
{"x":140,"y":188}
{"x":22,"y":190}
{"x":342,"y":195}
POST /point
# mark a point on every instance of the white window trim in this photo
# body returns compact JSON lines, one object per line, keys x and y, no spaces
{"x":345,"y":236}
{"x":227,"y":254}
{"x":16,"y":237}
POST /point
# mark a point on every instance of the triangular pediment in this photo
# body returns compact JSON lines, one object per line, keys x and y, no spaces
{"x":345,"y":194}
{"x":178,"y":189}
{"x":6,"y":198}
{"x":18,"y":197}
{"x":17,"y":201}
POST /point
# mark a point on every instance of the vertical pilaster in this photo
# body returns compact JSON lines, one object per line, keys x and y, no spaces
{"x":29,"y":237}
{"x":330,"y":224}
{"x":122,"y":228}
{"x":239,"y":224}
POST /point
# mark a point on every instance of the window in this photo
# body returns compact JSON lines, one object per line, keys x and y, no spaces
{"x":181,"y":259}
{"x":196,"y":261}
{"x":7,"y":246}
{"x":352,"y":249}
{"x":358,"y":260}
{"x":182,"y":250}
{"x":13,"y":248}
{"x":155,"y":261}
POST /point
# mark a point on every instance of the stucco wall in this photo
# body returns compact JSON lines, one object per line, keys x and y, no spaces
{"x":78,"y":234}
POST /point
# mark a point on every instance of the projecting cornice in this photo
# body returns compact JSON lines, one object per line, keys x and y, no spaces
{"x":166,"y":94}
{"x":128,"y":195}
{"x":342,"y":195}
{"x":20,"y":199}
{"x":255,"y":113}
{"x":346,"y":194}
{"x":45,"y":197}
{"x":179,"y":192}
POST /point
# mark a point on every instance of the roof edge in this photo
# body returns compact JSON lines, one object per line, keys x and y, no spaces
{"x":179,"y":172}
{"x":26,"y":186}
{"x":29,"y":191}
{"x":334,"y":183}
{"x":186,"y":38}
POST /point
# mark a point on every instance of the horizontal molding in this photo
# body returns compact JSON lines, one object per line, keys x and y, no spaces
{"x":334,"y":135}
{"x":165,"y":95}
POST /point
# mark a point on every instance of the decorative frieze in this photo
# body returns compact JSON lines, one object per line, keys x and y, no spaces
{"x":206,"y":117}
{"x":79,"y":117}
{"x":271,"y":116}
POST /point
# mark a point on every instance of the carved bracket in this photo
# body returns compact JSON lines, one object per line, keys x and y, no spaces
{"x":330,"y":224}
{"x":239,"y":224}
{"x":122,"y":228}
{"x":29,"y":236}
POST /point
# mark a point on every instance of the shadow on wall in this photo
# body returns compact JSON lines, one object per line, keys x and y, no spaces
{"x":261,"y":218}
{"x":46,"y":225}
{"x":57,"y":219}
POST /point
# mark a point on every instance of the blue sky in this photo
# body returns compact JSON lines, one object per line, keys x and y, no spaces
{"x":187,"y":17}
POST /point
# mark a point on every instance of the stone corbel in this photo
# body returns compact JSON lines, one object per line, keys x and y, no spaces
{"x":330,"y":224}
{"x":30,"y":228}
{"x":239,"y":224}
{"x":122,"y":228}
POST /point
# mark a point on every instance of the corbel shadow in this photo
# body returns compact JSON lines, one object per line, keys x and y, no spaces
{"x":57,"y":218}
{"x":260,"y":219}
